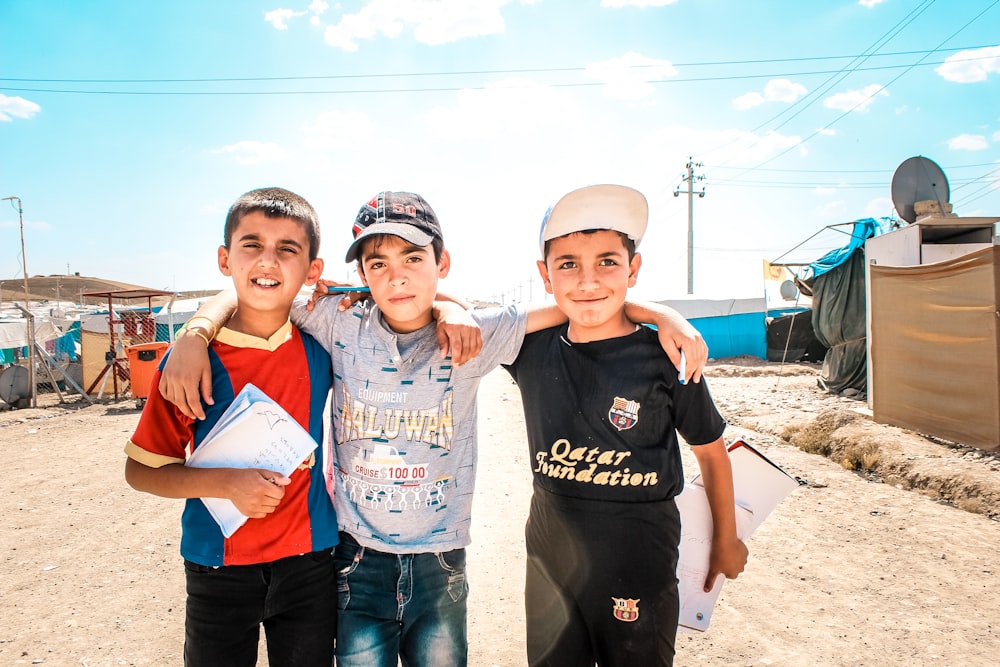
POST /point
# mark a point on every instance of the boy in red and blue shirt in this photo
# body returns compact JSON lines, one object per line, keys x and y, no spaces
{"x":276,"y":570}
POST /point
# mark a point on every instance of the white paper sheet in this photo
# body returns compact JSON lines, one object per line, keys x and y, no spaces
{"x":758,"y":485}
{"x":253,"y":432}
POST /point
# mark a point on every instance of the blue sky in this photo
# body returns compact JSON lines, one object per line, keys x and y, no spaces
{"x":127,"y":128}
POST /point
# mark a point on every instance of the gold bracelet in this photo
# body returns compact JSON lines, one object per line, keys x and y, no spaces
{"x":214,"y":330}
{"x":205,"y":338}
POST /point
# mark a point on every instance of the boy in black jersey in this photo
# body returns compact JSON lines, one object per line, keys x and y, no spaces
{"x":603,"y":406}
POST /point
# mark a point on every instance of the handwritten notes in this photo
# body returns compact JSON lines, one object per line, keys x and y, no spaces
{"x":253,"y":432}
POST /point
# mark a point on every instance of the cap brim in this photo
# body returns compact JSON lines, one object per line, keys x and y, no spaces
{"x":404,"y":231}
{"x":616,"y":207}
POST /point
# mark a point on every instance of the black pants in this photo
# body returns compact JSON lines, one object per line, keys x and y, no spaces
{"x":601,"y":582}
{"x":294,"y":598}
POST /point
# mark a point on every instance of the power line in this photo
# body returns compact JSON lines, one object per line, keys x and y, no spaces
{"x":442,"y":89}
{"x":992,"y":183}
{"x":849,"y":171}
{"x":893,"y":80}
{"x":526,"y":70}
{"x":824,"y":184}
{"x":854,"y":66}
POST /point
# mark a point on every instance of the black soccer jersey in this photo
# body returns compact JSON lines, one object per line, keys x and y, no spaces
{"x":603,"y":417}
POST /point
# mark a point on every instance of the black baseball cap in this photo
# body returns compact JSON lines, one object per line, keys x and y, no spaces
{"x":403,"y":214}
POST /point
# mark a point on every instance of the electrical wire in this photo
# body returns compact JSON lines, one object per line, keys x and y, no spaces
{"x":893,"y":80}
{"x":527,"y":70}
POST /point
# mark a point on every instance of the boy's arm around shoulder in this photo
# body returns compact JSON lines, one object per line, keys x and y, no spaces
{"x":729,"y":553}
{"x":186,"y":379}
{"x":676,"y":334}
{"x":458,"y":334}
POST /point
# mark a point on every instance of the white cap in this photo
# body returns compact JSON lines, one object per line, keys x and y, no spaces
{"x":597,"y":207}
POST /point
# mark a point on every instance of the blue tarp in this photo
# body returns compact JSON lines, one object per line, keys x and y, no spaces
{"x":730,"y":327}
{"x":864,"y":229}
{"x":734,"y":335}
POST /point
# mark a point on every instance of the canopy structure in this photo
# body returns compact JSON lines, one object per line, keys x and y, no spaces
{"x":125,"y":327}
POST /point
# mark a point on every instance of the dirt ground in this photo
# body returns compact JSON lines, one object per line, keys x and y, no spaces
{"x":885,"y":555}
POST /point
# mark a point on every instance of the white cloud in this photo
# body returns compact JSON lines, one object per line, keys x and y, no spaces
{"x":434,"y":22}
{"x":339,"y":129}
{"x":971,"y":66}
{"x":968,"y":142}
{"x":870,"y":3}
{"x":513,"y":107}
{"x":855,"y":100}
{"x":776,"y":90}
{"x":880,"y":207}
{"x":731,"y":147}
{"x":629,"y":77}
{"x":16,"y":107}
{"x":279,"y":17}
{"x":827,"y":132}
{"x":784,"y":90}
{"x":252,"y":152}
{"x":996,"y":136}
{"x":636,"y":3}
{"x":748,"y":101}
{"x":831,"y":210}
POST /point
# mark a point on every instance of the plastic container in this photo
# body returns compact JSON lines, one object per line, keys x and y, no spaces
{"x":143,"y":360}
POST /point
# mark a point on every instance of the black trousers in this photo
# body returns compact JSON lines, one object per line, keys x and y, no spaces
{"x":601,"y":582}
{"x":294,"y":598}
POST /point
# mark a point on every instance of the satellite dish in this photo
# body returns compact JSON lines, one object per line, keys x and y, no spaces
{"x":788,"y":290}
{"x":918,"y":179}
{"x":14,"y":384}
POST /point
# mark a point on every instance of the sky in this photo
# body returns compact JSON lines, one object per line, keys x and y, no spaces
{"x":128,"y":128}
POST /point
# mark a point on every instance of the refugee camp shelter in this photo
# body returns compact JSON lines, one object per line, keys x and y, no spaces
{"x":730,"y":327}
{"x":836,"y":284}
{"x":934,"y":337}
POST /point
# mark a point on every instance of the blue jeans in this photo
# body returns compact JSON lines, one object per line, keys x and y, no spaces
{"x":290,"y":597}
{"x":410,"y":607}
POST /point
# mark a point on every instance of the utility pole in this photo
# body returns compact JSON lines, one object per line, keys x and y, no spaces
{"x":30,"y":325}
{"x":691,"y":178}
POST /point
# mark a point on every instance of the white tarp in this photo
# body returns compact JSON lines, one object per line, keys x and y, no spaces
{"x":693,"y":308}
{"x":14,"y":333}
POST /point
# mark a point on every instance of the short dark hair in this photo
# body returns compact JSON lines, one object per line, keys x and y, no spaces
{"x":626,"y":241}
{"x":275,"y":203}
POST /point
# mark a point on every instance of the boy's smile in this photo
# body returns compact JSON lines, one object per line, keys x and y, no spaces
{"x":268,"y":260}
{"x":403,"y":280}
{"x":589,"y":274}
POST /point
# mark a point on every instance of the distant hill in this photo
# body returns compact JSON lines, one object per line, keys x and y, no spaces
{"x":71,"y":287}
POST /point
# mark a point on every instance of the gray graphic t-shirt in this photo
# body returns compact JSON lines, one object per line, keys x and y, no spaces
{"x":403,"y":424}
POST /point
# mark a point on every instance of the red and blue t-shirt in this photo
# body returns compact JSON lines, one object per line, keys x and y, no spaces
{"x":294,"y":371}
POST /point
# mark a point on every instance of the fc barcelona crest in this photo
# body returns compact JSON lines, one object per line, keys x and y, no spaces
{"x":624,"y":414}
{"x":625,"y":609}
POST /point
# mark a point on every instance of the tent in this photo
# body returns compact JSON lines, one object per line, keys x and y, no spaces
{"x":836,"y":283}
{"x":730,"y":327}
